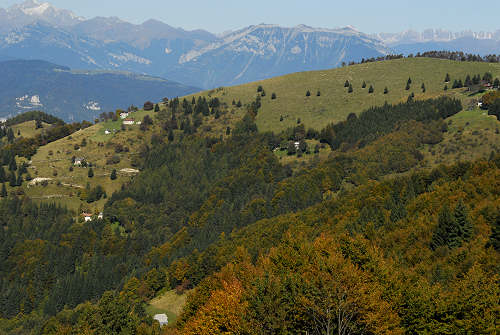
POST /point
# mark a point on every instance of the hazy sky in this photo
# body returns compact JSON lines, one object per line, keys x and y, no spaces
{"x":366,"y":15}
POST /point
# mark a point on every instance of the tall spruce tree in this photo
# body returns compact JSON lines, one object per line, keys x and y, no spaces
{"x":443,"y":229}
{"x":462,"y":221}
{"x":447,"y":78}
{"x":12,"y":180}
{"x":4,"y":191}
{"x":453,"y":228}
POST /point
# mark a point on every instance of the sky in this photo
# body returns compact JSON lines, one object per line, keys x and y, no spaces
{"x":372,"y":16}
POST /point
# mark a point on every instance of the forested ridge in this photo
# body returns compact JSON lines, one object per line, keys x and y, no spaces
{"x":364,"y":242}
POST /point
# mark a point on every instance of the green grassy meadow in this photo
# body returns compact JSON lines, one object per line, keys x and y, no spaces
{"x":334,"y":102}
{"x":169,"y":303}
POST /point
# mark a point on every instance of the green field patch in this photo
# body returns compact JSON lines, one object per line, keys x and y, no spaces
{"x":169,"y":303}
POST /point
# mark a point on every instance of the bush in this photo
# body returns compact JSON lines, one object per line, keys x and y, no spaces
{"x":115,"y":159}
{"x":148,"y":106}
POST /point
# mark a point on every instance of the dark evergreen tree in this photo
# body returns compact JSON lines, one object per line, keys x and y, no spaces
{"x":12,"y":180}
{"x":468,"y":81}
{"x":409,"y":81}
{"x":298,"y":120}
{"x":239,"y":104}
{"x":496,"y":83}
{"x":19,"y":180}
{"x":447,"y":78}
{"x":350,"y":90}
{"x":371,"y":90}
{"x":157,"y":108}
{"x":443,"y":229}
{"x":273,"y":96}
{"x":446,"y":87}
{"x":476,"y":79}
{"x":386,"y":90}
{"x":423,"y":87}
{"x":12,"y":164}
{"x":170,"y":135}
{"x":113,"y":175}
{"x":460,"y":84}
{"x":364,"y":85}
{"x":4,"y":191}
{"x":3,"y":175}
{"x":308,"y":93}
{"x":462,"y":221}
{"x":455,"y":84}
{"x":318,"y":94}
{"x":291,"y":149}
{"x":407,"y":87}
{"x":281,"y":118}
{"x":10,"y":135}
{"x":453,"y":228}
{"x":263,"y":94}
{"x":346,"y":84}
{"x":494,"y":237}
{"x":488,"y":77}
{"x":259,"y":89}
{"x":228,"y":131}
{"x":90,"y":174}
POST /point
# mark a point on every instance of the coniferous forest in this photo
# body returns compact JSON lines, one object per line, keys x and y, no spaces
{"x":363,"y":242}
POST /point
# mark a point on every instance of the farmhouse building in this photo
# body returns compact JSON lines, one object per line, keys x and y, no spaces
{"x":129,"y":121}
{"x":87,"y":217}
{"x":124,"y":115}
{"x":162,"y":319}
{"x":79,"y":161}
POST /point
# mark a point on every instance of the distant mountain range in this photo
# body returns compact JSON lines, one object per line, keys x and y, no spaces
{"x":76,"y":95}
{"x":35,"y":30}
{"x":410,"y":41}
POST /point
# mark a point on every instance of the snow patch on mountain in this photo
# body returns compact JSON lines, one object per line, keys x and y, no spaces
{"x":37,"y":10}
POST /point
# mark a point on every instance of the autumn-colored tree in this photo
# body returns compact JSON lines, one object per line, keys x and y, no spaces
{"x":222,"y":314}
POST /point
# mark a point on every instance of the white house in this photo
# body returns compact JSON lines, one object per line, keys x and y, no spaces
{"x":100,"y":216}
{"x":162,"y":319}
{"x":124,"y":115}
{"x":79,"y":161}
{"x":107,"y":132}
{"x":297,"y":145}
{"x":87,"y":217}
{"x":129,"y":121}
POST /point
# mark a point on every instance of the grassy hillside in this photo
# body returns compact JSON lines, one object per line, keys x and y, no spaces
{"x":52,"y":162}
{"x":335,"y":103}
{"x":28,"y":129}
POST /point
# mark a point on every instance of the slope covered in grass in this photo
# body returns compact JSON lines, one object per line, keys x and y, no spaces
{"x":335,"y":103}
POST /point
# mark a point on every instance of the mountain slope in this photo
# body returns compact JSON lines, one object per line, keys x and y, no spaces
{"x":265,"y":51}
{"x":76,"y":95}
{"x":335,"y":103}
